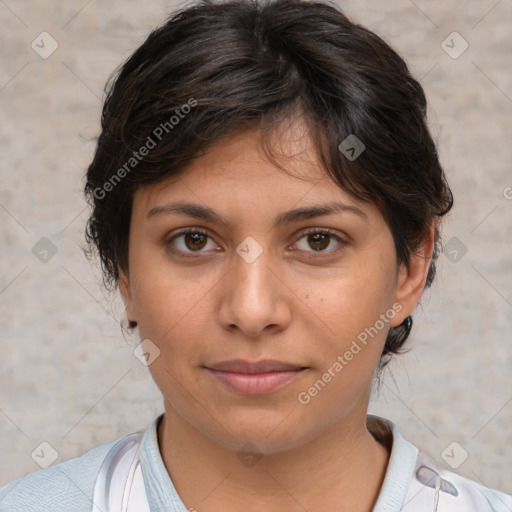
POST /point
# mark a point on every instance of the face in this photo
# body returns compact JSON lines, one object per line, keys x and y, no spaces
{"x":266,"y":296}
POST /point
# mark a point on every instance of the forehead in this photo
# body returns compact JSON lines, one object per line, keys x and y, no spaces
{"x":239,"y":170}
{"x":235,"y":185}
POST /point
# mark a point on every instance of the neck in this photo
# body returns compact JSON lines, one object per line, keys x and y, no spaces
{"x":345,"y":465}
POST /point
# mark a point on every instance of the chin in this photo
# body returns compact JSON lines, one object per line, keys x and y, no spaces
{"x":270,"y":433}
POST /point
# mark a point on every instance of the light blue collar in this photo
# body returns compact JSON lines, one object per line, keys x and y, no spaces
{"x":162,"y":495}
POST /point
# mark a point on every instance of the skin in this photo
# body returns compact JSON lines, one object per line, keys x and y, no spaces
{"x":293,"y":303}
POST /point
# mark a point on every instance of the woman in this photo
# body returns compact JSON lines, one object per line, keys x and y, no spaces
{"x":267,"y":197}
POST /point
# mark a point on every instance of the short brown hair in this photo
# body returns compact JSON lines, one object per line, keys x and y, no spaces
{"x":219,"y":67}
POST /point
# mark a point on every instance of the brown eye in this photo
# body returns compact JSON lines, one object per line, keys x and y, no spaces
{"x":319,"y":241}
{"x":322,"y":241}
{"x":194,"y":241}
{"x":190,"y":241}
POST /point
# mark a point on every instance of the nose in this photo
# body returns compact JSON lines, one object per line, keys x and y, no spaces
{"x":255,"y":299}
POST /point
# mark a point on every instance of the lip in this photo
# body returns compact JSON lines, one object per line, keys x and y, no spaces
{"x":263,"y":366}
{"x":255,"y":378}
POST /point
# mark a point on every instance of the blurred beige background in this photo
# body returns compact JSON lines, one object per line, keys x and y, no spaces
{"x":68,"y":377}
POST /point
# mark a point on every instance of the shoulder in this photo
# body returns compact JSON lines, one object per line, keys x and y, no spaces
{"x":449,"y":491}
{"x":62,"y":487}
{"x":414,"y":482}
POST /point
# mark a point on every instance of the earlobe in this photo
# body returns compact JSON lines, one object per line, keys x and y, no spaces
{"x":411,"y":280}
{"x":125,"y":290}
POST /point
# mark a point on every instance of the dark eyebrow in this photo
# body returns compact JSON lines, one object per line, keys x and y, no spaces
{"x":310,"y":212}
{"x":196,"y":211}
{"x":205,"y":213}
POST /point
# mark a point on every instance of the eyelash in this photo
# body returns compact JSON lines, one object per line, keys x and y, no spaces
{"x":311,"y":231}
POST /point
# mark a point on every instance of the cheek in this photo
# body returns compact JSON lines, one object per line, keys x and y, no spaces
{"x":348,"y":349}
{"x":351,"y":299}
{"x":347,"y":307}
{"x":171,"y":304}
{"x":172,"y":314}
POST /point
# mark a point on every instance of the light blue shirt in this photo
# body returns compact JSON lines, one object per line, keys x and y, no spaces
{"x":413,"y":481}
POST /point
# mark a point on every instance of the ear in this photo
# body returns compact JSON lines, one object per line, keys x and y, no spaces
{"x":411,"y":280}
{"x":126,"y":294}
